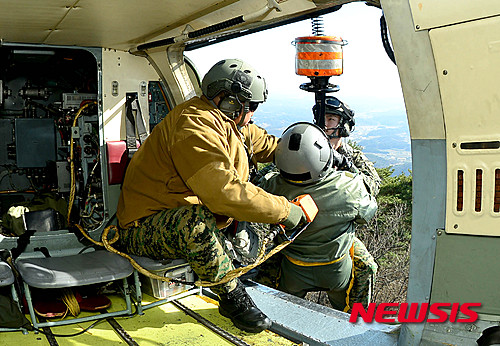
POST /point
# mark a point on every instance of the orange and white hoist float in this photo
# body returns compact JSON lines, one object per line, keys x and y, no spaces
{"x":319,"y":56}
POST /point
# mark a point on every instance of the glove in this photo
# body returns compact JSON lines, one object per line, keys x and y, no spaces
{"x":245,"y":241}
{"x":341,"y":162}
{"x":295,"y":218}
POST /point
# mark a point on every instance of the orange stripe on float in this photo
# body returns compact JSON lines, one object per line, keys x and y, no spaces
{"x":319,"y":55}
{"x":317,"y":72}
{"x":319,"y":38}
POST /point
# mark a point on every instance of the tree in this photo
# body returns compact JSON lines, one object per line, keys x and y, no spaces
{"x":388,"y":235}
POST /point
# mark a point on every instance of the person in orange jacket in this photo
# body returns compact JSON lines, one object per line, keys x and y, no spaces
{"x":190,"y":178}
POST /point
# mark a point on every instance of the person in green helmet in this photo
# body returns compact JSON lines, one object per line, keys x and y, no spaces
{"x":190,"y":178}
{"x":339,"y":123}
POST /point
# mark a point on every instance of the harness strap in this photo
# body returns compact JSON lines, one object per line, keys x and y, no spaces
{"x":313,"y":264}
{"x":134,"y":121}
{"x":347,"y":307}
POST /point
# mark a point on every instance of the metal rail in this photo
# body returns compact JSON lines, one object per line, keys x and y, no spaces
{"x":219,"y":331}
{"x":121,"y":332}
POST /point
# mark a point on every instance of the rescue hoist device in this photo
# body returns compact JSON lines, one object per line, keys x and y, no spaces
{"x":319,"y":57}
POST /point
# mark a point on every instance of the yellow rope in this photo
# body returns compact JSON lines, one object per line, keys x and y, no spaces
{"x":112,"y":241}
{"x":233,"y":274}
{"x":71,"y":303}
{"x":236,"y":273}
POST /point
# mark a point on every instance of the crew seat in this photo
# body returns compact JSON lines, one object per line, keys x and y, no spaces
{"x":81,"y":269}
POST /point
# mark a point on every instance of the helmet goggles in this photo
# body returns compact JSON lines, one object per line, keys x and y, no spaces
{"x":334,"y":106}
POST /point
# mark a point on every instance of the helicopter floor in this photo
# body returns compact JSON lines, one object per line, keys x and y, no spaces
{"x":162,"y":325}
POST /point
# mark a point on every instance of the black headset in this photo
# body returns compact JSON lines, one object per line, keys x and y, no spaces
{"x":229,"y":104}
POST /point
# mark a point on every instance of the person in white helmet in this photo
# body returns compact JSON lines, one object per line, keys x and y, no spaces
{"x":320,"y":258}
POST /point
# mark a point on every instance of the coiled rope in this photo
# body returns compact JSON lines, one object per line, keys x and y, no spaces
{"x":71,"y":303}
{"x":233,"y":274}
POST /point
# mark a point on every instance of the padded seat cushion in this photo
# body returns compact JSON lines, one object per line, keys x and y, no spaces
{"x":76,"y":270}
{"x":6,"y":275}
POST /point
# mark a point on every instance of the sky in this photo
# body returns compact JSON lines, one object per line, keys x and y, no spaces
{"x":369,"y":84}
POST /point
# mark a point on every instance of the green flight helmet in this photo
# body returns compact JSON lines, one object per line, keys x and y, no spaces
{"x":304,"y":154}
{"x":346,"y":123}
{"x":243,"y":85}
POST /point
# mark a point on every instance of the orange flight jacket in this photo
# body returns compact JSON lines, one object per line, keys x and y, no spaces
{"x":196,"y":155}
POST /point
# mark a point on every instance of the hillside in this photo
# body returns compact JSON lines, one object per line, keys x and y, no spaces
{"x":382,"y":130}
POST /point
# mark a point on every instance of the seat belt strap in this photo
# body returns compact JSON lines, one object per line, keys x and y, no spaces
{"x":135,"y":124}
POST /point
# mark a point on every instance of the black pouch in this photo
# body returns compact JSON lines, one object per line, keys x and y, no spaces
{"x":10,"y":315}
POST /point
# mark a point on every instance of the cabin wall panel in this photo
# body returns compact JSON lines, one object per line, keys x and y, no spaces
{"x":129,"y":71}
{"x":429,"y":14}
{"x":417,"y":72}
{"x":479,"y":278}
{"x":468,"y":63}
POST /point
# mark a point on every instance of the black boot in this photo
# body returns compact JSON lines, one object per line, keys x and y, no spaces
{"x":240,"y":308}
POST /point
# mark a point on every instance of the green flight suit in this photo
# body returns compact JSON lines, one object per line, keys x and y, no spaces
{"x":319,"y":259}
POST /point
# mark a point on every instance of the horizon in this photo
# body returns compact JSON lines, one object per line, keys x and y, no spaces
{"x":369,"y":84}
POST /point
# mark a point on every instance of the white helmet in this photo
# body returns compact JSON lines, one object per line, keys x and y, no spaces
{"x":303,"y":154}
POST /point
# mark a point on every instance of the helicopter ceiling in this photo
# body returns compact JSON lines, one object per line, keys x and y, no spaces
{"x":124,"y":24}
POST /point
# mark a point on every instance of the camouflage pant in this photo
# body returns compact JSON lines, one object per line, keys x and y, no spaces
{"x":365,"y":270}
{"x":187,"y":232}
